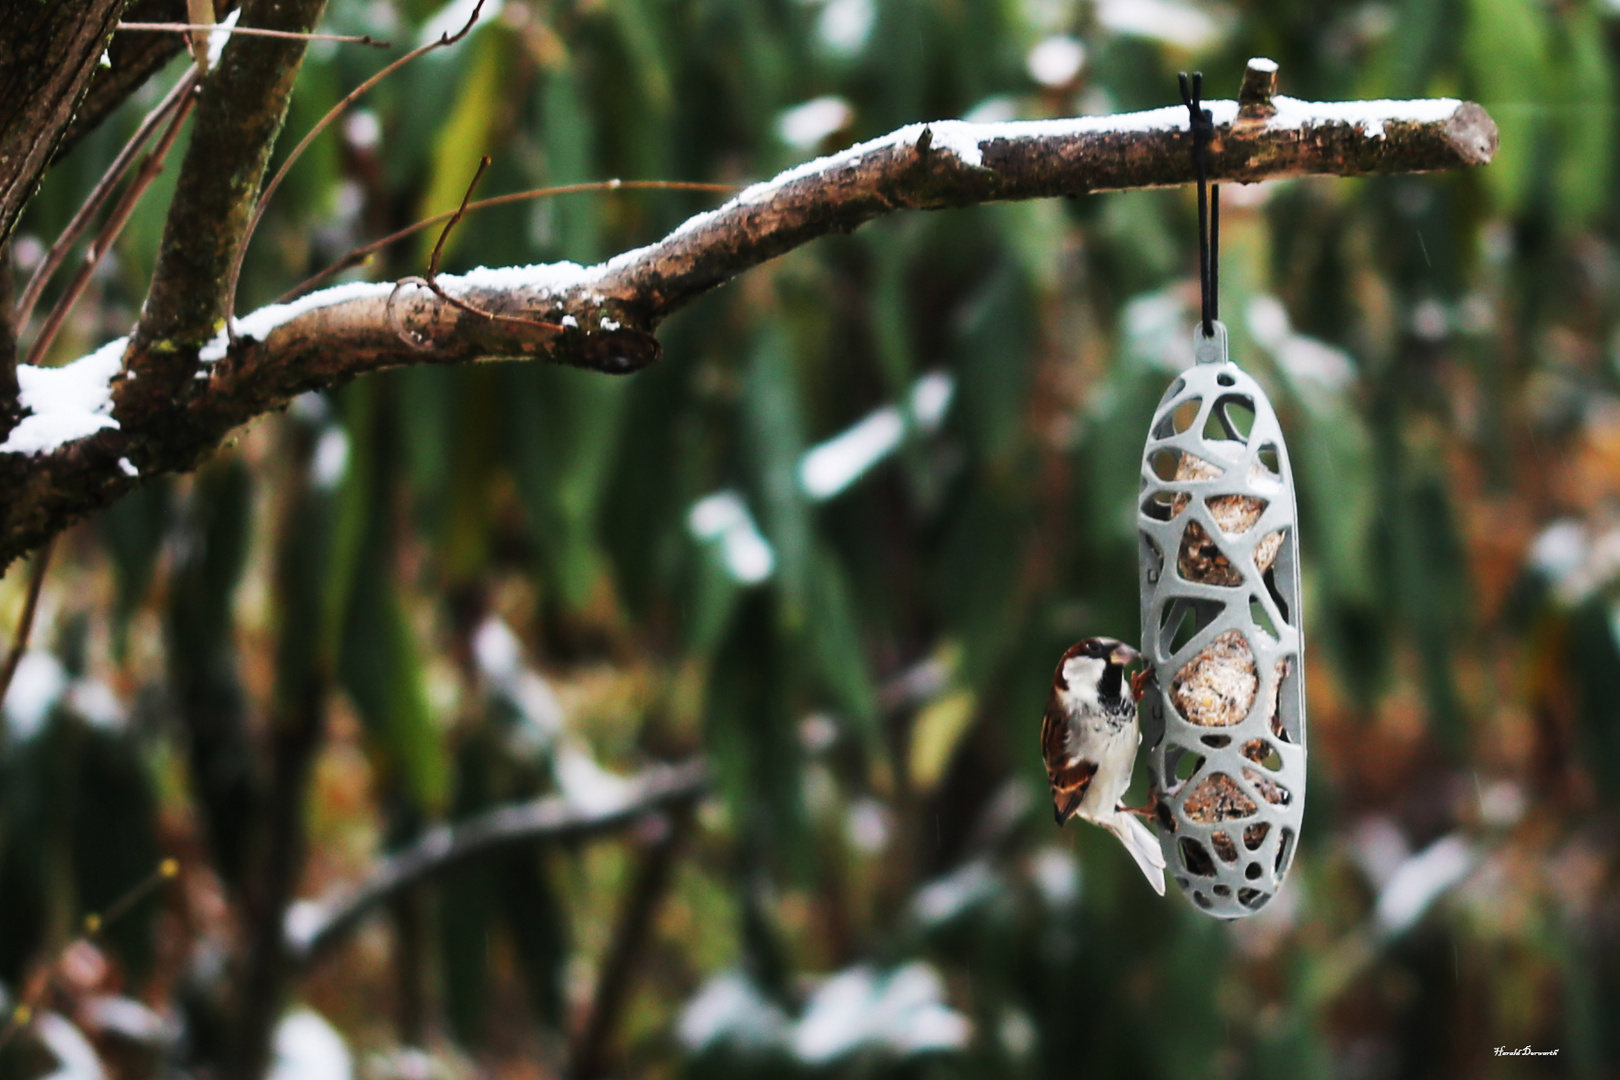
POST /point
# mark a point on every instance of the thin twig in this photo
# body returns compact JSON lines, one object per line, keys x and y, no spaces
{"x":321,"y":125}
{"x":455,"y":218}
{"x":150,"y":167}
{"x":94,"y":926}
{"x":25,"y":622}
{"x":432,"y":279}
{"x":360,"y":254}
{"x":253,"y":31}
{"x":9,"y":389}
{"x":99,"y":195}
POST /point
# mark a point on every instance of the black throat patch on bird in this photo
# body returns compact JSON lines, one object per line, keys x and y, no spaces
{"x":1111,"y":690}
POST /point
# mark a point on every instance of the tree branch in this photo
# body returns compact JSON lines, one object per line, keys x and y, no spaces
{"x":134,"y":58}
{"x":244,"y":102}
{"x":609,"y":312}
{"x":315,"y":926}
{"x":48,"y":52}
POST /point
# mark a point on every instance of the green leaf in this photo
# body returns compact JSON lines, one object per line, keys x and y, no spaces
{"x":203,"y":660}
{"x":466,"y":134}
{"x":538,"y":924}
{"x":935,"y":734}
{"x":753,"y":732}
{"x":775,"y":427}
{"x":565,"y":425}
{"x":1505,"y":43}
{"x":569,"y":136}
{"x":114,"y":840}
{"x":994,"y":342}
{"x":467,"y":911}
{"x":834,"y":635}
{"x":382,"y":672}
{"x":1584,"y":82}
{"x":132,"y":531}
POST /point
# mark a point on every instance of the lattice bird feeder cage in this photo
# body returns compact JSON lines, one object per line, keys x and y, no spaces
{"x":1225,"y":715}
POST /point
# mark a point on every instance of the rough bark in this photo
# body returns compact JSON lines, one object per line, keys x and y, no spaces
{"x":134,"y":58}
{"x":48,"y":52}
{"x":173,"y":410}
{"x":239,"y":116}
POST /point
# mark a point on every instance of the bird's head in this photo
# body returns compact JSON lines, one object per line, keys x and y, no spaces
{"x":1086,"y":662}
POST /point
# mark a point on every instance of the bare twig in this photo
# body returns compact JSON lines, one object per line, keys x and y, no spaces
{"x":135,"y":58}
{"x":94,"y":926}
{"x":359,"y":255}
{"x":321,"y":125}
{"x":252,"y":31}
{"x":99,"y":195}
{"x":151,"y":166}
{"x":9,"y":324}
{"x":25,"y":621}
{"x":444,"y":234}
{"x":432,"y":279}
{"x":314,"y":927}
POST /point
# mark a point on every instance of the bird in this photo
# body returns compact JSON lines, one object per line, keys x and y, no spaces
{"x":1089,"y":737}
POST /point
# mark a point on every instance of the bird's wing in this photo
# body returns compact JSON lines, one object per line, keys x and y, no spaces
{"x":1054,"y":737}
{"x":1069,"y":774}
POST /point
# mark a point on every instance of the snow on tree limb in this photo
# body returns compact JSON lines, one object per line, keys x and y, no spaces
{"x":609,"y":312}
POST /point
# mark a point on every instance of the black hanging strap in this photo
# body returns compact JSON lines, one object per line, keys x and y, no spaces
{"x":1202,"y":125}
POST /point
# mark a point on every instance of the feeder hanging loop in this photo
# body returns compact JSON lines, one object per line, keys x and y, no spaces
{"x":1224,"y":718}
{"x":1201,"y":125}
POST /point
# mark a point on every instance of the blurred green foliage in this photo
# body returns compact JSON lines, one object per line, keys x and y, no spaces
{"x":508,"y":578}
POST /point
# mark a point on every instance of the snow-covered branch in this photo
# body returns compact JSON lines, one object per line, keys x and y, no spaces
{"x":314,"y":925}
{"x":92,"y":435}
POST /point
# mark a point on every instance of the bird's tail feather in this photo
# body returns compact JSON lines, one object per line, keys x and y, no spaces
{"x":1141,"y":843}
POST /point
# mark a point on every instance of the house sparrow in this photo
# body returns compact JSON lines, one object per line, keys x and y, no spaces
{"x":1089,"y":738}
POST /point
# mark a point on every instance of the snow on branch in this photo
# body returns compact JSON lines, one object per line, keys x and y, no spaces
{"x":315,"y":925}
{"x":91,"y":435}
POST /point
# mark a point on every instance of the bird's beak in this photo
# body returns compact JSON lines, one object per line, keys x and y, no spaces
{"x":1124,"y":655}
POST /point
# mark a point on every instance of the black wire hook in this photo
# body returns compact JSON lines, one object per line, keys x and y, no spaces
{"x":1201,"y":124}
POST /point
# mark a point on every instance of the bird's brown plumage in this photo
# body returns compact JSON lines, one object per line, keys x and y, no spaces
{"x":1071,"y":775}
{"x":1089,"y":737}
{"x":1069,"y":779}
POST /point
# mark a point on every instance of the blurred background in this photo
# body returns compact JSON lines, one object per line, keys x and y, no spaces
{"x":833,"y":544}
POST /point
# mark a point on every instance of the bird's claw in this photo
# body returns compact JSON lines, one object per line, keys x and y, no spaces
{"x":1149,"y":811}
{"x":1140,"y":680}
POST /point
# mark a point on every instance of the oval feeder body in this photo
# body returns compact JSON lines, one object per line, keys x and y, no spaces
{"x":1224,"y":717}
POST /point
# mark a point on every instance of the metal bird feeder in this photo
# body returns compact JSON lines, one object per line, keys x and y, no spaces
{"x":1224,"y":716}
